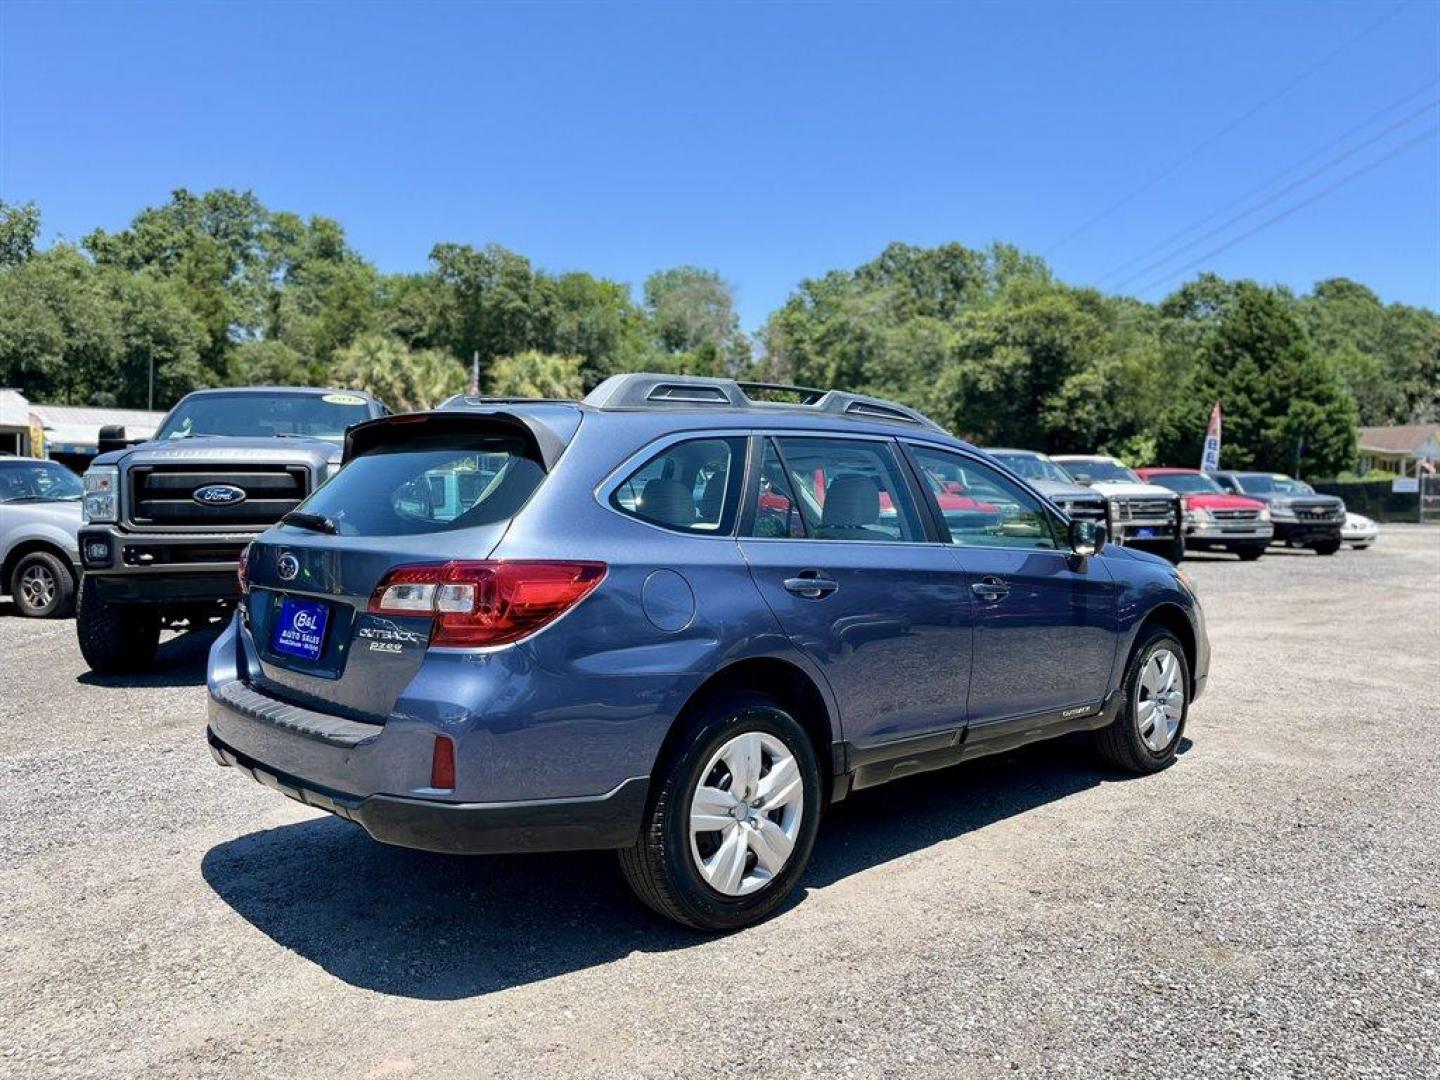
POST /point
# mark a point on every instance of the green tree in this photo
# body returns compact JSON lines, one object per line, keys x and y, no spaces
{"x":537,"y":374}
{"x":1284,"y":407}
{"x":407,"y":380}
{"x":692,"y":316}
{"x":19,"y":232}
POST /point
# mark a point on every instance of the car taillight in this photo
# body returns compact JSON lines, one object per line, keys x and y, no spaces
{"x":442,"y":764}
{"x":485,"y":603}
{"x":242,"y":570}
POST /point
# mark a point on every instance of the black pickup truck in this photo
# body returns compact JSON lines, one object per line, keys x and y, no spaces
{"x":1302,"y":517}
{"x":165,"y":521}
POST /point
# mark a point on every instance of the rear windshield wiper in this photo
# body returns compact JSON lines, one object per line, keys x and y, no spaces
{"x":314,"y":522}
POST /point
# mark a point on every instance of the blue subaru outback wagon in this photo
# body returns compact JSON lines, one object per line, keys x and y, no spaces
{"x":679,"y":620}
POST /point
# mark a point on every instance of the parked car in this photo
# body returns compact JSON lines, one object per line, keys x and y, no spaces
{"x":1300,"y":516}
{"x":676,"y":622}
{"x":1214,"y":519}
{"x":1052,"y":481}
{"x":166,"y":520}
{"x":39,"y":517}
{"x":1142,"y":515}
{"x":1359,"y":531}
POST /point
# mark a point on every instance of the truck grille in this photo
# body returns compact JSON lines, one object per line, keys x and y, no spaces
{"x":162,"y":496}
{"x":1127,"y":510}
{"x":1318,"y":512}
{"x":1086,"y":511}
{"x":1236,"y":515}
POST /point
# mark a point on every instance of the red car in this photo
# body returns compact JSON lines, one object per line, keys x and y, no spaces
{"x":1213,"y":517}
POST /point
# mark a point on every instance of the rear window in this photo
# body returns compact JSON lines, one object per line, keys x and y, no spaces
{"x":429,"y":485}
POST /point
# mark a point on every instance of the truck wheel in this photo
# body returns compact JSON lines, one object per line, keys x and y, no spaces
{"x":115,"y":639}
{"x":1145,"y":733}
{"x":731,"y":818}
{"x":42,"y":586}
{"x":1328,"y":547}
{"x":1175,"y":550}
{"x":1249,"y":552}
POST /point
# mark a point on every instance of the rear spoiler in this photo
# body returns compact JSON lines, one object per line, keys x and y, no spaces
{"x":546,"y":445}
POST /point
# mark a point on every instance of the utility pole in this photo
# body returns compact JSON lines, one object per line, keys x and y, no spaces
{"x":475,"y":373}
{"x":151,"y":406}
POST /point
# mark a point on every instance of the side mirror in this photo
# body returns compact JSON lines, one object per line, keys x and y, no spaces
{"x":110,"y":437}
{"x":1081,"y":478}
{"x":1087,"y":537}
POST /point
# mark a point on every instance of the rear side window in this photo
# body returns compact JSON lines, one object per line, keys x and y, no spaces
{"x":692,"y":486}
{"x":429,"y":485}
{"x":841,"y":489}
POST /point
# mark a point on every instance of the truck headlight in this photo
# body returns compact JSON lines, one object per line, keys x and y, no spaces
{"x":102,"y":494}
{"x":1282,"y":513}
{"x":1197,"y":517}
{"x":1264,"y":513}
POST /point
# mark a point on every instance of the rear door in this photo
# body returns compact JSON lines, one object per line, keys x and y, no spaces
{"x":1044,"y":619}
{"x":838,"y":549}
{"x":425,"y":491}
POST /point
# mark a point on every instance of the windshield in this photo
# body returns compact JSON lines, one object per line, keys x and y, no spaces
{"x":317,"y":416}
{"x":1033,"y":467}
{"x":1274,"y":483}
{"x":1187,"y":483}
{"x":1099,"y":469}
{"x":38,"y":481}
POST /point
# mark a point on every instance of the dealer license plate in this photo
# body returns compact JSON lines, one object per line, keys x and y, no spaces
{"x":300,"y":628}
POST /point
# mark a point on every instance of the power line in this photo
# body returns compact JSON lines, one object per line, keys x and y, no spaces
{"x":1277,"y":195}
{"x":1289,"y":211}
{"x":1258,"y":188}
{"x":1190,"y":155}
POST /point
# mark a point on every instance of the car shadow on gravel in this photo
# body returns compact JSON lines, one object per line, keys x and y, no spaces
{"x":179,"y":661}
{"x":440,"y":927}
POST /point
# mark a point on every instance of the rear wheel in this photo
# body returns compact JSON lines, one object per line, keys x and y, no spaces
{"x":42,"y":586}
{"x":731,"y":820}
{"x":1249,"y":552}
{"x":1145,"y":733}
{"x":1328,"y":547}
{"x":115,"y":639}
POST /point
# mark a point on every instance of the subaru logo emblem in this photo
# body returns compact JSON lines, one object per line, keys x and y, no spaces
{"x":288,"y":567}
{"x":219,"y":495}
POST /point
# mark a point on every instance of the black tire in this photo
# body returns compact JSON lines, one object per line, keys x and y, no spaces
{"x":115,"y":639}
{"x":43,"y":586}
{"x":1120,"y":742}
{"x":1249,"y":552}
{"x":1359,"y":547}
{"x":1175,"y":550}
{"x":660,"y":868}
{"x":1329,"y":547}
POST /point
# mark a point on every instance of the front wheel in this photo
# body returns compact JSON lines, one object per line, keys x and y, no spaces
{"x":1145,"y":733}
{"x":42,"y":586}
{"x":115,"y":639}
{"x":1328,"y":547}
{"x":731,"y":819}
{"x":1249,"y":552}
{"x":1175,"y":550}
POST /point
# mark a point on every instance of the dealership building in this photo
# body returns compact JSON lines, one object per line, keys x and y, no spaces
{"x":68,"y":433}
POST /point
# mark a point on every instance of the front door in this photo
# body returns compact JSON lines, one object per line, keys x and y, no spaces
{"x":837,"y":549}
{"x":1044,"y":619}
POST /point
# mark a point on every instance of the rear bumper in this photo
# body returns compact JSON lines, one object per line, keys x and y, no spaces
{"x":611,"y":820}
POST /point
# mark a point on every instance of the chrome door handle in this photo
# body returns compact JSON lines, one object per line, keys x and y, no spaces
{"x":810,"y":585}
{"x":990,"y":589}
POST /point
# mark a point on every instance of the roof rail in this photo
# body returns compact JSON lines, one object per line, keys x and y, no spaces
{"x":650,"y":390}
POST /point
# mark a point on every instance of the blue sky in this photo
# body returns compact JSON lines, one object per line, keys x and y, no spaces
{"x":770,"y":142}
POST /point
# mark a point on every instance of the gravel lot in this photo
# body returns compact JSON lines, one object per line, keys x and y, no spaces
{"x":1270,"y":906}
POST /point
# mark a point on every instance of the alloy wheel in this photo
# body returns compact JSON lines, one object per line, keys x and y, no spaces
{"x":745,"y":813}
{"x":38,"y":586}
{"x":1159,"y":700}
